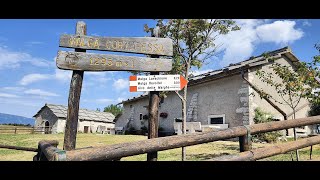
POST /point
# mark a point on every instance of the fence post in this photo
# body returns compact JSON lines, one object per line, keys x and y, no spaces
{"x":32,"y":130}
{"x":245,"y":141}
{"x":245,"y":145}
{"x":15,"y":130}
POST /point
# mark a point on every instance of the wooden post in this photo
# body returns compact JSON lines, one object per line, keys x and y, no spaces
{"x":15,"y":130}
{"x":74,"y":99}
{"x":245,"y":145}
{"x":32,"y":130}
{"x":153,"y":109}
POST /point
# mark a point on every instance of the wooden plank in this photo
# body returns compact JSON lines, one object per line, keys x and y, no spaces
{"x":142,"y":45}
{"x":70,"y":135}
{"x":108,"y":62}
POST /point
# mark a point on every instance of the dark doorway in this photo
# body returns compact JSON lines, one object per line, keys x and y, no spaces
{"x":86,"y":129}
{"x":46,"y":128}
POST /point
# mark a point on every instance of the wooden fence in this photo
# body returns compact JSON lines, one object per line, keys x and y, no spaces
{"x":24,"y":130}
{"x":117,"y":151}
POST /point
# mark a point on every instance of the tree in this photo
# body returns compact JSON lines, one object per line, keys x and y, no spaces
{"x":193,"y":44}
{"x":314,"y":92}
{"x":98,"y":109}
{"x":114,"y":109}
{"x":292,"y":84}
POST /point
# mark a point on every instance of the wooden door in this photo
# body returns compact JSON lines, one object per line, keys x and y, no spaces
{"x":86,"y":129}
{"x":47,"y":128}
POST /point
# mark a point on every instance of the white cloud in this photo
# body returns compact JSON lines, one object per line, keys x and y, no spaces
{"x":99,"y":77}
{"x":102,"y":79}
{"x":98,"y":73}
{"x":62,"y":75}
{"x":30,"y":78}
{"x":306,"y":23}
{"x":104,"y":100}
{"x":240,"y":45}
{"x":119,"y":99}
{"x":9,"y":88}
{"x":14,"y":59}
{"x":5,"y":95}
{"x":280,"y":32}
{"x":121,"y":84}
{"x":32,"y":43}
{"x":39,"y":92}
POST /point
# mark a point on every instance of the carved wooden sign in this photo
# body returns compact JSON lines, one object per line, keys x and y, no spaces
{"x":108,"y":62}
{"x":141,"y":45}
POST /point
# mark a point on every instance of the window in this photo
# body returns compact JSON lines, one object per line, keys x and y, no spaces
{"x":216,"y":119}
{"x":140,"y":117}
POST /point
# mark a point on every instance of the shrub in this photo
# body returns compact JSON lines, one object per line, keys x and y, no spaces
{"x":314,"y":110}
{"x":131,"y":130}
{"x":144,"y":130}
{"x":264,"y":117}
{"x":160,"y":128}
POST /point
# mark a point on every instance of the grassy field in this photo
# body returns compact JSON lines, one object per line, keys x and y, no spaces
{"x":194,"y":153}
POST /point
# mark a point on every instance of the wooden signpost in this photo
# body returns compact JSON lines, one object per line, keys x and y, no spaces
{"x":108,"y":62}
{"x":70,"y":134}
{"x":140,"y":45}
{"x":80,"y":61}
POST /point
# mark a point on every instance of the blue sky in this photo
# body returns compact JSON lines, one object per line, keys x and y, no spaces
{"x":29,"y":77}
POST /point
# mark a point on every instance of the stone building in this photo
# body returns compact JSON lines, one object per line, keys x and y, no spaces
{"x":219,"y":99}
{"x":52,"y":118}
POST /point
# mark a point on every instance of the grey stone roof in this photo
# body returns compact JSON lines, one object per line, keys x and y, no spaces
{"x":251,"y":62}
{"x":84,"y":114}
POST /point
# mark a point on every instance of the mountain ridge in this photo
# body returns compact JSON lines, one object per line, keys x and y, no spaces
{"x":10,"y":118}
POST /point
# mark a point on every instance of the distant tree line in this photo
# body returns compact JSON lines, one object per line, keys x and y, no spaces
{"x":116,"y":110}
{"x":16,"y":124}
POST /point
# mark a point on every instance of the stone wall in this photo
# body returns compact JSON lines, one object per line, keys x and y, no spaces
{"x":211,"y":98}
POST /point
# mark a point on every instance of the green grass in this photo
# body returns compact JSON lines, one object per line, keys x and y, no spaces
{"x":194,"y":153}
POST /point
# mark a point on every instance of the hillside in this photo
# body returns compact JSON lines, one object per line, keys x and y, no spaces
{"x":9,"y":118}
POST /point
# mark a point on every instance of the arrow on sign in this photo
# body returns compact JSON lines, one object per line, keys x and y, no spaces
{"x":157,"y":83}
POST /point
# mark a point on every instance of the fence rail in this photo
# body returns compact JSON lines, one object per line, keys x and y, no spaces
{"x":261,"y":153}
{"x":112,"y":152}
{"x":19,"y":148}
{"x":22,"y":130}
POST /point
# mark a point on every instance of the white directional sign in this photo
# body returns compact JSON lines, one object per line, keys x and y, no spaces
{"x":157,"y":83}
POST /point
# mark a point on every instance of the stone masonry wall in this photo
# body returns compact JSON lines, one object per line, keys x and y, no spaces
{"x":192,"y":113}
